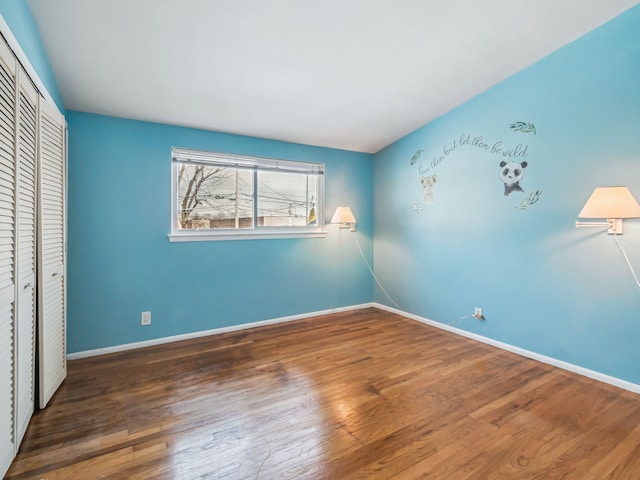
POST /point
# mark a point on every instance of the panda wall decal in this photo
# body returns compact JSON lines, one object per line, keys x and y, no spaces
{"x":512,"y":160}
{"x":511,"y":173}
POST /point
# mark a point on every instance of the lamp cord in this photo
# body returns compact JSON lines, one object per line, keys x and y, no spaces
{"x":373,"y":274}
{"x":627,"y":259}
{"x":459,"y":319}
{"x":366,"y":262}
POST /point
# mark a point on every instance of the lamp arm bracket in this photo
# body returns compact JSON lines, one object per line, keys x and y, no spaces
{"x":592,"y":224}
{"x":613,"y":224}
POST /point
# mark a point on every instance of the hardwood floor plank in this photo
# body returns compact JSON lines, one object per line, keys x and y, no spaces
{"x":357,"y":395}
{"x":621,"y":462}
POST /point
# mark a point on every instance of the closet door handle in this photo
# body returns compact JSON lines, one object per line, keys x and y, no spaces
{"x":55,"y":274}
{"x":28,"y":285}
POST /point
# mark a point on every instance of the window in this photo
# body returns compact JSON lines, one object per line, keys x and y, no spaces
{"x":217,"y":196}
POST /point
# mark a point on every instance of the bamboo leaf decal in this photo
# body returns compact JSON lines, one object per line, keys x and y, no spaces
{"x":523,"y":127}
{"x":529,"y":200}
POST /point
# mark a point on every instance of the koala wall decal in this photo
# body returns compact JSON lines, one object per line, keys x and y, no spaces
{"x":511,"y":173}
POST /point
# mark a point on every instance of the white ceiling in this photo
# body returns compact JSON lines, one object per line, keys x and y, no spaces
{"x":348,"y":74}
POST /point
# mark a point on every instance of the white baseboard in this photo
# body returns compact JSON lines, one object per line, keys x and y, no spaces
{"x":617,"y":382}
{"x":215,"y":331}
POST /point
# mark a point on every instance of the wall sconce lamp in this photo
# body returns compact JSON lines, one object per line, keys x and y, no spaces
{"x":612,"y":203}
{"x":345,"y":218}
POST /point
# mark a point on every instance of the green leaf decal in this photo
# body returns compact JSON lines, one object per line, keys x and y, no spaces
{"x":415,"y":157}
{"x":523,"y":127}
{"x":529,"y":200}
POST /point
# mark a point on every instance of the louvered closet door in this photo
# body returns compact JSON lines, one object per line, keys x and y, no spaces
{"x":51,"y":252}
{"x":26,"y":264}
{"x":7,"y":255}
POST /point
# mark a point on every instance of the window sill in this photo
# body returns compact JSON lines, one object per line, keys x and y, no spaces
{"x":234,"y":235}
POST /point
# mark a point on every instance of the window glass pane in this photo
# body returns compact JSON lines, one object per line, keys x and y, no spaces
{"x":220,"y":196}
{"x":286,"y":199}
{"x":214,"y":197}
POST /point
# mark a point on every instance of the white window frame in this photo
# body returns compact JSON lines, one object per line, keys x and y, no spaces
{"x":182,"y":155}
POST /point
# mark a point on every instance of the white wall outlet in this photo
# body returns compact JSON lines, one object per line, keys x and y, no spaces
{"x":477,"y":313}
{"x":145,"y":318}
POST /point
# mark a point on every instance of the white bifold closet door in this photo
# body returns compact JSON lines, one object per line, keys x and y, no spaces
{"x":26,"y":160}
{"x":32,"y":252}
{"x":18,"y":160}
{"x":51,"y":252}
{"x":8,"y":67}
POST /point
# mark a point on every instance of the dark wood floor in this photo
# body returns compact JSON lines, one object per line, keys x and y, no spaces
{"x":360,"y":395}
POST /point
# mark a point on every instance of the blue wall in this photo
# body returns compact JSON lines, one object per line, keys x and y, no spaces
{"x":544,"y":285}
{"x":18,"y":16}
{"x":121,"y":263}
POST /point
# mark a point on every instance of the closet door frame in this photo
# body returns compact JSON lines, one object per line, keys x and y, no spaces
{"x":23,"y":59}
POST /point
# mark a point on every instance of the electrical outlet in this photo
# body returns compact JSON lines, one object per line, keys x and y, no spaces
{"x":477,"y":314}
{"x":145,"y":318}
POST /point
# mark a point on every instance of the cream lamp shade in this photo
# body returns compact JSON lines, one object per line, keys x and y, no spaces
{"x":345,"y":218}
{"x":612,"y":203}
